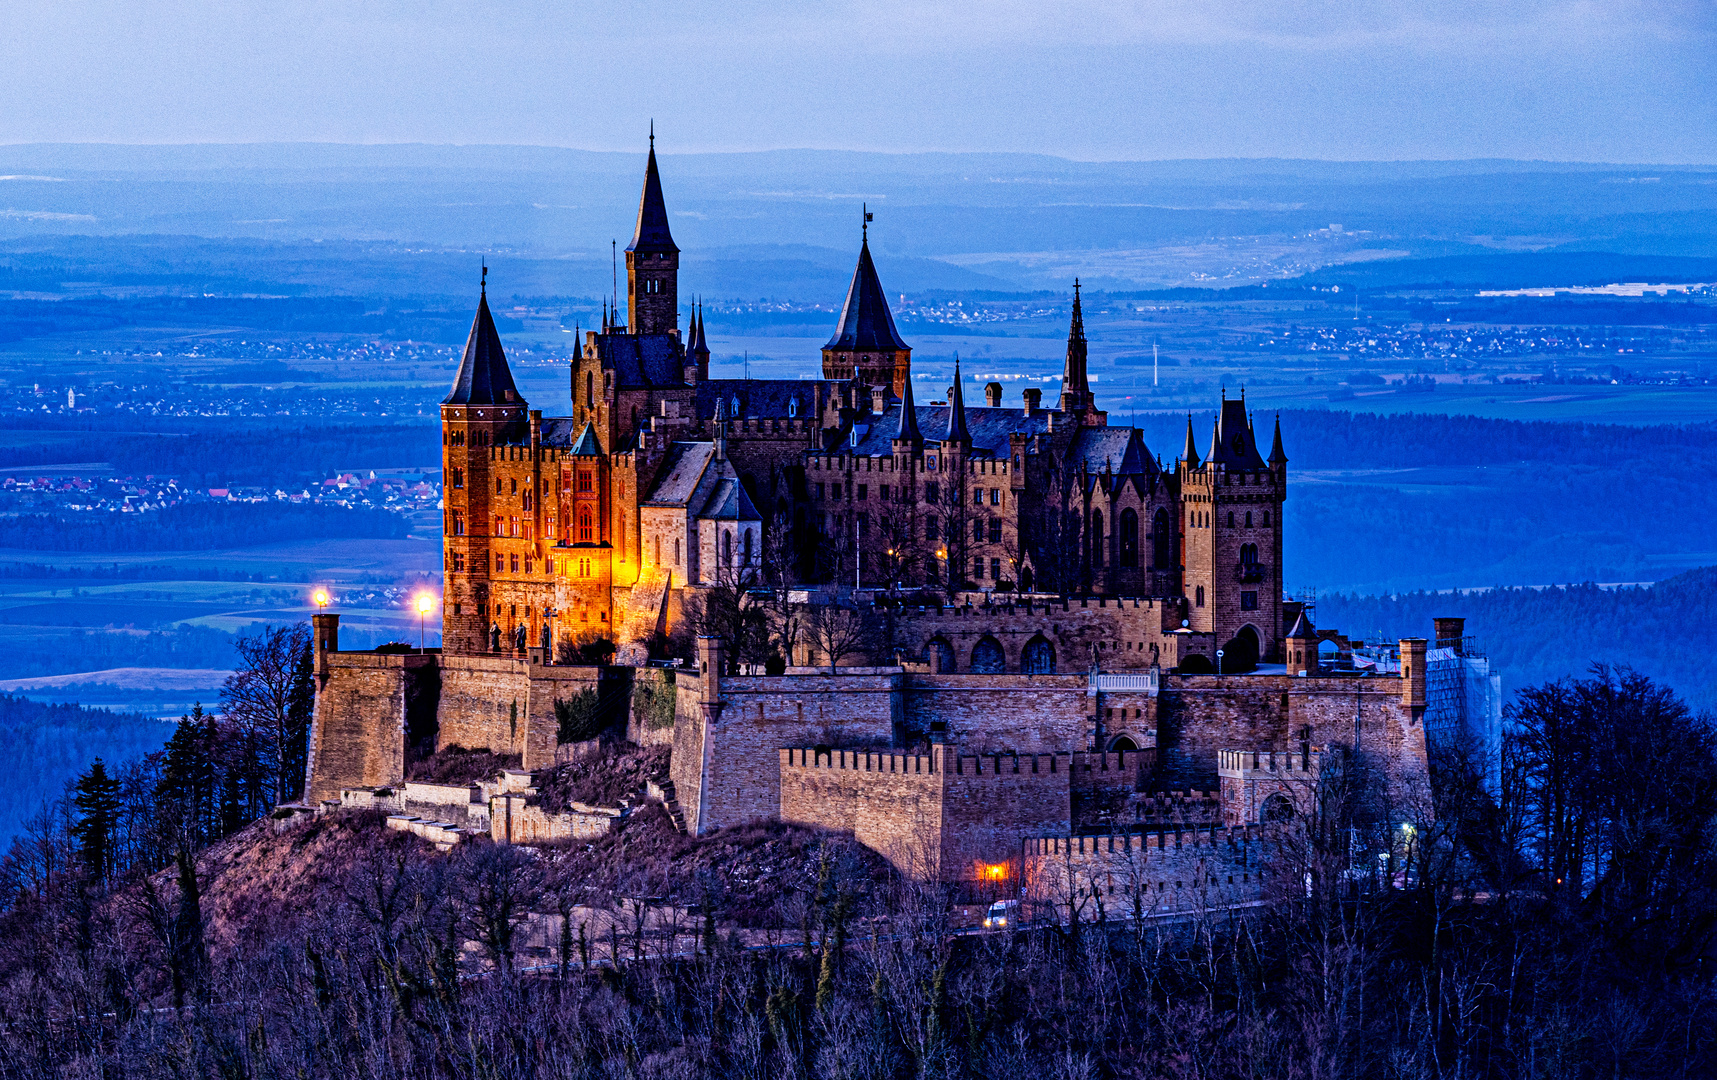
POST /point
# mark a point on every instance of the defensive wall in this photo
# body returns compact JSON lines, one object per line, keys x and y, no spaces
{"x":1171,"y":870}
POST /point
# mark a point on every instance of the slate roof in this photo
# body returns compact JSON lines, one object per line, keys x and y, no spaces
{"x":484,"y":378}
{"x":559,"y":432}
{"x":1120,"y":449}
{"x":684,"y":467}
{"x":1302,"y":628}
{"x":1235,"y":444}
{"x":866,"y":322}
{"x":730,"y":503}
{"x":988,"y":427}
{"x":651,"y":233}
{"x":586,"y":445}
{"x":643,"y":360}
{"x":760,"y":398}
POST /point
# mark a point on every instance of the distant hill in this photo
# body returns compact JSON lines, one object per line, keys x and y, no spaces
{"x":47,"y":746}
{"x":1518,"y":270}
{"x":1534,"y":635}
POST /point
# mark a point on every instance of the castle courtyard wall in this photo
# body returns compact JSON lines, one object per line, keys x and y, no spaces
{"x":357,"y":736}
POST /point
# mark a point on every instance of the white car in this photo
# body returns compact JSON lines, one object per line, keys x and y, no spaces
{"x":1003,"y":915}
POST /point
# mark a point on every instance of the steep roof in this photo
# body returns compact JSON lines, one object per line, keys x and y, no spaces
{"x":780,"y":399}
{"x":957,"y":431}
{"x":1302,"y":627}
{"x":866,"y":323}
{"x":730,"y":503}
{"x":988,"y":428}
{"x":586,"y":445}
{"x":484,"y":378}
{"x":1278,"y":456}
{"x":906,"y":427}
{"x":1120,"y":449}
{"x":685,"y":466}
{"x":651,"y":233}
{"x":643,"y":360}
{"x":1190,"y":453}
{"x":1235,"y":445}
{"x":698,"y":346}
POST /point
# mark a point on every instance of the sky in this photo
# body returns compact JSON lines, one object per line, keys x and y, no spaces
{"x":1569,"y":80}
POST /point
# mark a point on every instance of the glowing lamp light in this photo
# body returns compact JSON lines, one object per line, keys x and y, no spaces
{"x":321,"y":598}
{"x":996,"y":873}
{"x":425,"y":604}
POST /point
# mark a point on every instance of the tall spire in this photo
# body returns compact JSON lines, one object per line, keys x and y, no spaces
{"x":908,"y":430}
{"x":866,"y":346}
{"x":957,"y":410}
{"x":1277,"y":455}
{"x":1075,"y":386}
{"x":1190,"y":454}
{"x":651,"y":233}
{"x":484,"y":377}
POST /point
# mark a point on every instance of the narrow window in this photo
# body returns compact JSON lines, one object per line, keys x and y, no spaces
{"x":676,"y":551}
{"x":586,"y":530}
{"x":1200,"y":600}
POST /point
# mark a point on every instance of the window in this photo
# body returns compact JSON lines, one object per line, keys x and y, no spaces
{"x":529,"y":525}
{"x":1230,"y":519}
{"x":1266,"y":519}
{"x":500,"y":486}
{"x":932,"y":494}
{"x":929,"y":464}
{"x":792,"y":407}
{"x":886,"y":529}
{"x":995,"y":530}
{"x":513,"y":526}
{"x":1129,"y":539}
{"x":500,"y":563}
{"x":818,"y":490}
{"x":864,"y":492}
{"x":1248,"y":519}
{"x":676,"y":551}
{"x":458,"y":478}
{"x":977,"y":496}
{"x":590,"y":389}
{"x":995,"y":496}
{"x":458,"y":523}
{"x":658,"y":545}
{"x":1162,"y":542}
{"x":835,"y":492}
{"x":584,"y":568}
{"x":1096,"y":538}
{"x":1248,"y":601}
{"x":515,"y":486}
{"x":735,"y":413}
{"x":996,"y":569}
{"x":586,"y":480}
{"x":863,"y":525}
{"x":527,"y":499}
{"x":515,"y":564}
{"x":884,"y":492}
{"x":978,"y":568}
{"x":932,"y":529}
{"x":747,"y":550}
{"x":527,"y":565}
{"x":500,"y":526}
{"x":586,"y":528}
{"x":1248,"y":554}
{"x":977,"y":530}
{"x":1199,"y":601}
{"x":550,"y":532}
{"x":727,"y":549}
{"x":458,"y":561}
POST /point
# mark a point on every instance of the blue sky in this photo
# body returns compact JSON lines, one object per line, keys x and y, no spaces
{"x":1593,"y":80}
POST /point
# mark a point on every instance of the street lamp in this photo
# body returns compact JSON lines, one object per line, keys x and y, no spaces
{"x":320,"y":596}
{"x":424,"y":603}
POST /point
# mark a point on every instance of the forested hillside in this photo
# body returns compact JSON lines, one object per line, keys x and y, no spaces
{"x":1536,"y":635}
{"x":47,"y":746}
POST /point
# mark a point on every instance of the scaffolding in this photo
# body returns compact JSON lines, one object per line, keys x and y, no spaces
{"x":1463,"y":706}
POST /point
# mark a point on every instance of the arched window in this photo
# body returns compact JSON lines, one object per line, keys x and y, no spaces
{"x":726,"y":549}
{"x":1277,"y":808}
{"x":586,"y":529}
{"x":1200,"y":596}
{"x":1038,"y":657}
{"x":735,"y":413}
{"x":1096,"y":538}
{"x":1230,"y":519}
{"x":944,"y":654}
{"x":658,"y":543}
{"x":590,"y":389}
{"x":792,"y":407}
{"x":458,"y":478}
{"x":1249,"y":554}
{"x":747,"y":549}
{"x":1129,"y":539}
{"x":676,"y":551}
{"x":1162,"y":542}
{"x":987,"y":657}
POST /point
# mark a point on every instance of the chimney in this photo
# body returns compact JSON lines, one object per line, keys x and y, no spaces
{"x":1451,"y":634}
{"x":878,"y":400}
{"x":993,"y":395}
{"x":1033,"y":397}
{"x":1413,"y":676}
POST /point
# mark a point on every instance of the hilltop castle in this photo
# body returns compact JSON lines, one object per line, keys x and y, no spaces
{"x":1075,"y":626}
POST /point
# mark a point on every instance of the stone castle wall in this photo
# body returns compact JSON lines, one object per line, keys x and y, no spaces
{"x":1154,"y":873}
{"x":358,"y":732}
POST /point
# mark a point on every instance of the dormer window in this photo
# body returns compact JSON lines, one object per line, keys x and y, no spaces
{"x":792,"y":407}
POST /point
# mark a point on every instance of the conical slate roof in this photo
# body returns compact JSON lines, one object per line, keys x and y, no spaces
{"x":652,"y":232}
{"x":586,"y":445}
{"x":1302,"y":628}
{"x":1278,"y":456}
{"x":908,"y":431}
{"x":957,"y":431}
{"x":866,"y":322}
{"x":484,"y":378}
{"x":700,"y":347}
{"x":1190,"y":454}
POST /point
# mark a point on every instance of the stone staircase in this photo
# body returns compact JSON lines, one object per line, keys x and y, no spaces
{"x":662,"y":787}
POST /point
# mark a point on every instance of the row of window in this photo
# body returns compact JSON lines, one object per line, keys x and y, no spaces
{"x":1248,"y":599}
{"x":1200,"y":519}
{"x":522,"y":529}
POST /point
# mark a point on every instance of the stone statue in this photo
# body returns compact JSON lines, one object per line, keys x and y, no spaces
{"x":519,"y":638}
{"x":495,"y":637}
{"x":547,"y":656}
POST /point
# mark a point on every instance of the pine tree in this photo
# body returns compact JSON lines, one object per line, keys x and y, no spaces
{"x":97,"y":802}
{"x":187,"y":790}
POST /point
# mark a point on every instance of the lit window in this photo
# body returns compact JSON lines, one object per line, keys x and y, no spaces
{"x":586,"y":480}
{"x":586,"y":530}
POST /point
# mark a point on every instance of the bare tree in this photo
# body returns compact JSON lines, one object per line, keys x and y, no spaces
{"x":264,"y":698}
{"x":837,"y":632}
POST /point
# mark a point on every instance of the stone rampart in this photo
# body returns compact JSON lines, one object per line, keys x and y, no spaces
{"x":364,"y":704}
{"x":1153,"y":873}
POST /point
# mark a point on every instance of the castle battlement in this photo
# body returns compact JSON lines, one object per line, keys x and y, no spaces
{"x":1274,"y":764}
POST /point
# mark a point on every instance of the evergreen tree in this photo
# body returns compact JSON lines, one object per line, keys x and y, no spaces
{"x":187,"y":789}
{"x":301,"y":707}
{"x":97,"y":802}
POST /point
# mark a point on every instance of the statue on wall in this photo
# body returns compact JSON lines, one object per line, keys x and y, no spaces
{"x":495,"y":637}
{"x":519,"y":638}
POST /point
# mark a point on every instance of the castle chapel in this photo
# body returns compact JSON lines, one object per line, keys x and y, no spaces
{"x":663,"y":479}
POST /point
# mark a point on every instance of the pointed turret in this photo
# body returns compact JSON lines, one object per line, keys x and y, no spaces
{"x":697,"y":348}
{"x":1075,"y":383}
{"x":1190,"y":454}
{"x":957,"y":432}
{"x":484,"y":377}
{"x":1277,"y":455}
{"x":651,"y":233}
{"x":866,"y":346}
{"x":908,"y":431}
{"x":652,"y":260}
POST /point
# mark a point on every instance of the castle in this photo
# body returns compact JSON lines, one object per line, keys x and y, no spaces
{"x":1074,"y":628}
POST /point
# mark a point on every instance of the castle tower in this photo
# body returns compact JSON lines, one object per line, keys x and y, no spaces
{"x":483,"y":412}
{"x":1232,"y":503}
{"x":652,"y":261}
{"x":866,"y":346}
